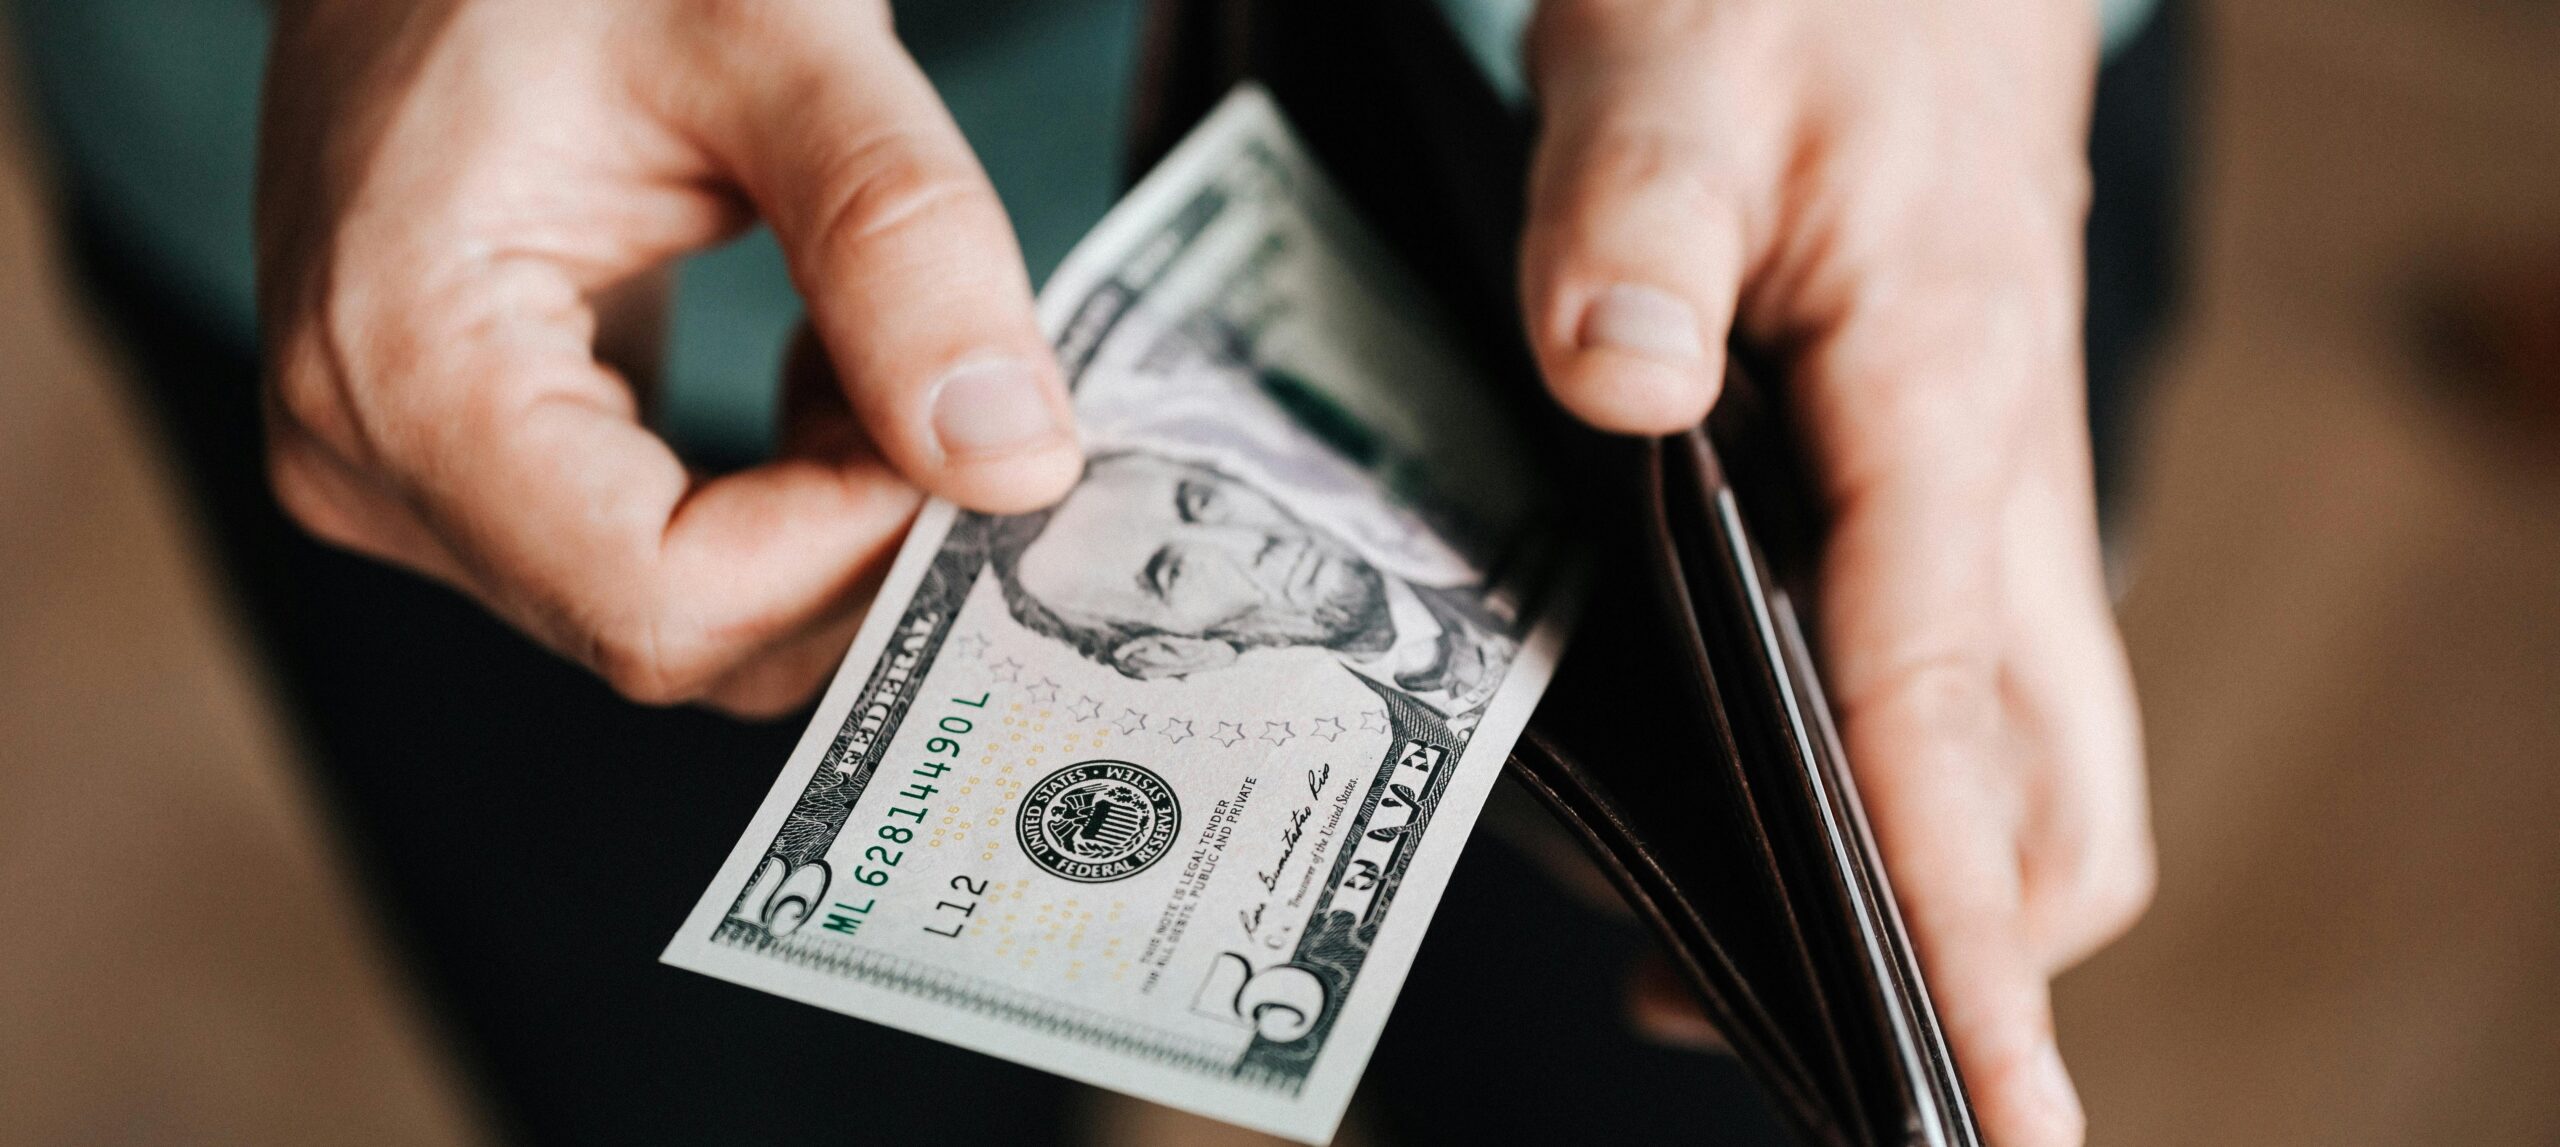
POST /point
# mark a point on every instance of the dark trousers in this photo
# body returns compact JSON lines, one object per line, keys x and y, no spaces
{"x":531,"y":841}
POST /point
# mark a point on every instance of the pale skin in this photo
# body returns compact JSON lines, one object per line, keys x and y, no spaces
{"x":468,"y":205}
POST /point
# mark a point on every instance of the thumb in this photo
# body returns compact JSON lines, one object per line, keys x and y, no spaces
{"x":1640,"y":209}
{"x":905,"y":257}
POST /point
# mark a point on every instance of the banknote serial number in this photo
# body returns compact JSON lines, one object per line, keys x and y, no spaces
{"x":880,"y":860}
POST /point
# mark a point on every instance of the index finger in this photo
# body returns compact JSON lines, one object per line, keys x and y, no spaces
{"x":1922,"y":401}
{"x":581,"y":525}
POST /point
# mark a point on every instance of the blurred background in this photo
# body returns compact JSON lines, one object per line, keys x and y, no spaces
{"x":2343,"y":605}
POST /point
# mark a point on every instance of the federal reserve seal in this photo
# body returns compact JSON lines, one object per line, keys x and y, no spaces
{"x":1098,"y":821}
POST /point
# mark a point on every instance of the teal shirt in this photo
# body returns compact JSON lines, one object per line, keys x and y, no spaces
{"x":153,"y":104}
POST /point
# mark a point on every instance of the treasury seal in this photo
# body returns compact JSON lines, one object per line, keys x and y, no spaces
{"x":1098,"y":821}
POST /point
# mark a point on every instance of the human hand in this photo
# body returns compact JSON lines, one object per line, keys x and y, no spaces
{"x":1890,"y":197}
{"x":466,"y":208}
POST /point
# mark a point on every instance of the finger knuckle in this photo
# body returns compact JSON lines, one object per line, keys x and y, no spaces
{"x":2116,"y":892}
{"x":2093,"y":889}
{"x":306,"y":498}
{"x":1953,"y":695}
{"x":306,"y":386}
{"x":308,"y":399}
{"x":652,"y":661}
{"x":1924,"y":361}
{"x":890,"y":185}
{"x":1679,"y":172}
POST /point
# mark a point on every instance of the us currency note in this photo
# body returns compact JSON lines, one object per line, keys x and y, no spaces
{"x":1158,"y":788}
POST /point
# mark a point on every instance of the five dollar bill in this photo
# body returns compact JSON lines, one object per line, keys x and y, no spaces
{"x":1157,"y":789}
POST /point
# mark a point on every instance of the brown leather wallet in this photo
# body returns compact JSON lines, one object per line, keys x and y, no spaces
{"x":1686,"y":742}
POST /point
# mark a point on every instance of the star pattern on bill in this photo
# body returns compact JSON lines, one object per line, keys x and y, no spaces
{"x":1328,"y":728}
{"x":1373,"y":721}
{"x":1174,"y":729}
{"x":1229,"y":734}
{"x":1008,"y":671}
{"x":1131,"y":722}
{"x":1276,"y":732}
{"x":1085,"y":709}
{"x":970,"y":645}
{"x":1043,"y":691}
